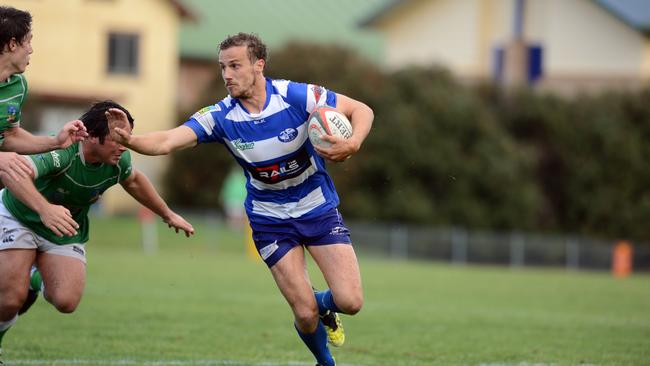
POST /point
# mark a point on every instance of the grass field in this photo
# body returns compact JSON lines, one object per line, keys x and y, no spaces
{"x":202,"y":302}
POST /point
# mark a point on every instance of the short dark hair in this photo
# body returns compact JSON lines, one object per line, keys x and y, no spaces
{"x":14,"y":24}
{"x":256,"y":48}
{"x":95,"y":119}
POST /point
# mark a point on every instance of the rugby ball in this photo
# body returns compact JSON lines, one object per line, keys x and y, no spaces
{"x":327,"y":121}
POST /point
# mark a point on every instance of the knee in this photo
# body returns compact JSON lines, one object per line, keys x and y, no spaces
{"x":10,"y":302}
{"x":351,"y":304}
{"x":306,"y":316}
{"x":64,"y":304}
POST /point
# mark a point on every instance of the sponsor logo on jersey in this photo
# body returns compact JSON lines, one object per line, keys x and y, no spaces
{"x":210,"y":108}
{"x":288,"y":135}
{"x":55,"y":159}
{"x":317,"y":90}
{"x":291,"y":167}
{"x":268,"y":250}
{"x":259,"y":121}
{"x":12,"y":110}
{"x":242,"y":145}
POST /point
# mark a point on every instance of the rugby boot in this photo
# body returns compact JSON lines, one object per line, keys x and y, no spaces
{"x":334,"y":328}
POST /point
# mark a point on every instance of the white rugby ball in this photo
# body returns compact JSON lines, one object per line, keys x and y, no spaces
{"x":327,"y":121}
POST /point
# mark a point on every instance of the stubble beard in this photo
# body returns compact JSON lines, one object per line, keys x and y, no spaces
{"x":248,"y":93}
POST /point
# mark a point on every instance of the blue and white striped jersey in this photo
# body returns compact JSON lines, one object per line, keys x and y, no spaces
{"x":286,"y":178}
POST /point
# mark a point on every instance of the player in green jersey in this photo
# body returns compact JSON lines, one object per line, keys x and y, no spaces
{"x":15,"y":50}
{"x":45,"y":220}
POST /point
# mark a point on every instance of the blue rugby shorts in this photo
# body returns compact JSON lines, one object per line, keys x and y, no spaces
{"x":273,"y":241}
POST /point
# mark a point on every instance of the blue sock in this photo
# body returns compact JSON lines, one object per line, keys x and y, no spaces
{"x":317,"y":344}
{"x":325,"y":302}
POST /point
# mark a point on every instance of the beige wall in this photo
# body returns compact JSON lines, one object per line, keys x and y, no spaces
{"x":580,"y":39}
{"x":442,"y":32}
{"x":70,"y":52}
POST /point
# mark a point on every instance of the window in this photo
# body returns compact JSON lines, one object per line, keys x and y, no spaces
{"x":123,"y":53}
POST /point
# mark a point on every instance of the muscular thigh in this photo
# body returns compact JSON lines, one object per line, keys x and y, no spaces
{"x":291,"y":277}
{"x":14,"y":268}
{"x":63,"y":276}
{"x":339,"y":266}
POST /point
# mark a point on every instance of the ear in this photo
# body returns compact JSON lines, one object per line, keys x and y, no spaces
{"x":259,"y":65}
{"x":12,"y":44}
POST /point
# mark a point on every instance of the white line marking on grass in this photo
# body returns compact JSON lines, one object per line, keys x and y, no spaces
{"x":528,"y":364}
{"x":127,"y":362}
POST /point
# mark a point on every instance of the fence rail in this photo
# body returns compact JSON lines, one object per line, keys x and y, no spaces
{"x":515,"y":249}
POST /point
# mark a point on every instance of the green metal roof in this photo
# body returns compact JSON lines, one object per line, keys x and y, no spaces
{"x":280,"y":21}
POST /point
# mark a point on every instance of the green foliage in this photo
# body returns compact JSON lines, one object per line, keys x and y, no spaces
{"x":593,"y":154}
{"x":448,"y":154}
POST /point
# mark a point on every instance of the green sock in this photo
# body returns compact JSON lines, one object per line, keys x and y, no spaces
{"x":35,"y":280}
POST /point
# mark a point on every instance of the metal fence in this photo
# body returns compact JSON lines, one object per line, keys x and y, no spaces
{"x":514,"y":249}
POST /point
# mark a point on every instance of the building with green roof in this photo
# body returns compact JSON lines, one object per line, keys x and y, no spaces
{"x":277,"y":22}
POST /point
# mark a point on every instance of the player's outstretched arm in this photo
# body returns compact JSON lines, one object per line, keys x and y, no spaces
{"x":54,"y":217}
{"x":23,"y":142}
{"x":361,"y":117}
{"x":153,"y":143}
{"x":140,"y":188}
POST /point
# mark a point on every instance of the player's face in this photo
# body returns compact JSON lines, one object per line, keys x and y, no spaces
{"x":110,"y":151}
{"x":238,"y":72}
{"x":21,"y":53}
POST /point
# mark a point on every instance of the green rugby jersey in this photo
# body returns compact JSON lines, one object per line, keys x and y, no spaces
{"x":13,"y":92}
{"x":63,"y":178}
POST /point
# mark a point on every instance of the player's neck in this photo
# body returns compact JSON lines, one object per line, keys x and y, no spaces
{"x":6,"y":70}
{"x":88,"y":154}
{"x":255,"y":103}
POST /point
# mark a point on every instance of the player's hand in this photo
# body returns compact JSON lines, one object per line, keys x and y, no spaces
{"x":176,"y":222}
{"x":71,"y":132}
{"x":59,"y":220}
{"x":118,"y":126}
{"x":340,"y":150}
{"x":14,"y":165}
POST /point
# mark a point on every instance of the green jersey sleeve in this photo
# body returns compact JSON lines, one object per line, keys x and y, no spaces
{"x":125,"y":166}
{"x":53,"y":162}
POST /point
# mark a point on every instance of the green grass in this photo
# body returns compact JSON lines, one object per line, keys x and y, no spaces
{"x":201,"y":301}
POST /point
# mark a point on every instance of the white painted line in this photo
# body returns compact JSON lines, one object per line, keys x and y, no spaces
{"x":128,"y":362}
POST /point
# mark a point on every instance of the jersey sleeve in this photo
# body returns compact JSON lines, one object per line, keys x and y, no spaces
{"x":51,"y":162}
{"x":309,"y":96}
{"x":125,"y":166}
{"x":205,"y":126}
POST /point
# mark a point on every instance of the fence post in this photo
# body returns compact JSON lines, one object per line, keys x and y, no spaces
{"x":459,"y":246}
{"x":572,"y":254}
{"x":517,"y":250}
{"x":398,"y":244}
{"x":149,"y":230}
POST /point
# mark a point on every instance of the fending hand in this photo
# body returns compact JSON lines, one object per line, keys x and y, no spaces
{"x":119,"y":127}
{"x":71,"y":132}
{"x":176,"y":222}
